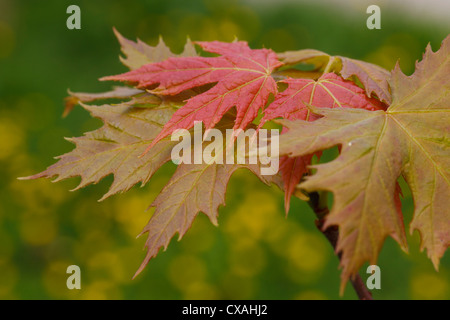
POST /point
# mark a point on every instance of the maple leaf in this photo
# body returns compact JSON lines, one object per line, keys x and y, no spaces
{"x":139,"y":53}
{"x":328,"y":91}
{"x":411,"y":138}
{"x":373,"y":78}
{"x":308,"y":56}
{"x":242,"y":76}
{"x":115,"y":148}
{"x":117,"y":93}
{"x":292,"y":171}
{"x":129,"y":127}
{"x":192,"y":189}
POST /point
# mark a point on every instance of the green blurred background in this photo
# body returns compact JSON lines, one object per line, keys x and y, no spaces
{"x":256,"y":253}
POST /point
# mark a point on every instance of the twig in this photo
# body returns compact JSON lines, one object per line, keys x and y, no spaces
{"x":320,"y":207}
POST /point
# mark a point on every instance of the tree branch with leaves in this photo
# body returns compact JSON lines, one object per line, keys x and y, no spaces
{"x":386,"y":125}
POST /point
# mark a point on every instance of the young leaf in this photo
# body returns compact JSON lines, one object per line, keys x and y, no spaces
{"x":192,"y":189}
{"x":243,"y":78}
{"x":117,"y":93}
{"x":292,"y":171}
{"x":115,"y":148}
{"x":329,"y":91}
{"x":139,"y":53}
{"x":127,"y":131}
{"x":411,"y":138}
{"x":307,"y":56}
{"x":373,"y":77}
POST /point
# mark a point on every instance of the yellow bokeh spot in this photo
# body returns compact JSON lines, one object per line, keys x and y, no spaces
{"x":306,"y":257}
{"x":431,"y":286}
{"x":101,"y":290}
{"x":109,"y":266}
{"x":38,"y":196}
{"x":255,"y":216}
{"x":228,"y":28}
{"x":307,"y":252}
{"x":279,"y":235}
{"x":90,"y":244}
{"x":13,"y":137}
{"x":22,"y":165}
{"x":37,"y":230}
{"x":201,"y":236}
{"x":310,"y":295}
{"x":236,"y":287}
{"x":55,"y":280}
{"x":200,"y":291}
{"x":185,"y":270}
{"x":88,"y":215}
{"x":247,"y":259}
{"x":130,"y":212}
{"x":8,"y":279}
{"x":131,"y":259}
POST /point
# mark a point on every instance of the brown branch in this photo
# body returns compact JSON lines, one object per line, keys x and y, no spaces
{"x":320,"y":207}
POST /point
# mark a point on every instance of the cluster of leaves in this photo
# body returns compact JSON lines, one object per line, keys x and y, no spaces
{"x":385,"y":123}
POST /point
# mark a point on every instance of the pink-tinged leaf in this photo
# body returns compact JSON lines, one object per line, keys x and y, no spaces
{"x":411,"y":138}
{"x":292,"y":170}
{"x":242,"y":76}
{"x":374,"y":78}
{"x":329,"y":91}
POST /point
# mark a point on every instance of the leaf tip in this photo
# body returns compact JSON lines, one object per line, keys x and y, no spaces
{"x":287,"y":202}
{"x":344,"y":280}
{"x":435,"y":260}
{"x":139,"y":270}
{"x":213,"y":220}
{"x":32,"y":177}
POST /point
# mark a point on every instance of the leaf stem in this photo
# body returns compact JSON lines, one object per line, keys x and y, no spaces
{"x":318,"y":202}
{"x":330,"y":65}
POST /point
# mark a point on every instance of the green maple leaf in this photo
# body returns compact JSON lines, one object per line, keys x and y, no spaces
{"x":193,"y":188}
{"x":115,"y":148}
{"x":139,"y":53}
{"x":118,"y":147}
{"x":411,"y":138}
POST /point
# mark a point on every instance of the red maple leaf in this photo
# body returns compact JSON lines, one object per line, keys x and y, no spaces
{"x":242,"y":76}
{"x":329,"y":91}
